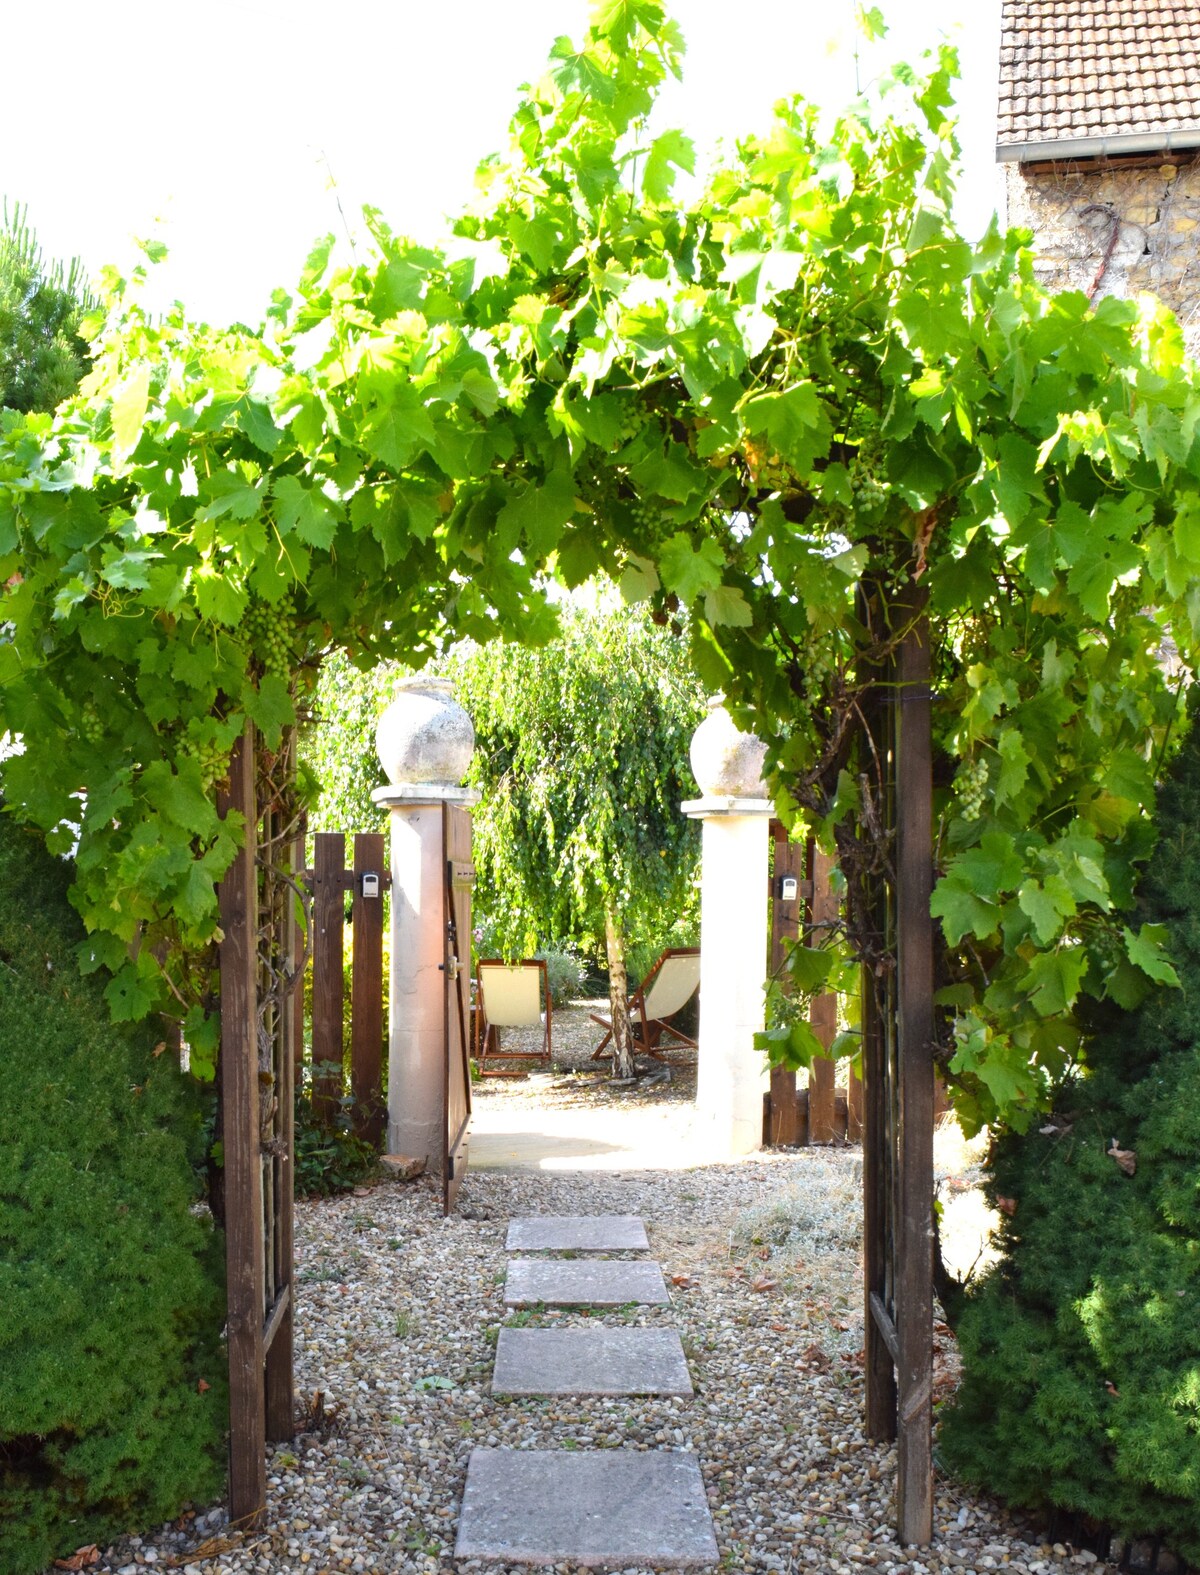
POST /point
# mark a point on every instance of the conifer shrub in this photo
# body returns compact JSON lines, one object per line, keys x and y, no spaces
{"x":1081,"y":1347}
{"x":113,"y":1396}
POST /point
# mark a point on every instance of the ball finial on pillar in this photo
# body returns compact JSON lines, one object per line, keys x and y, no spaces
{"x":726,"y":762}
{"x":425,"y":739}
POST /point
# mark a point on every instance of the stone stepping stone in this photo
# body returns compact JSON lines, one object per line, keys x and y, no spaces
{"x":583,"y":1282}
{"x":597,"y":1361}
{"x":605,"y":1507}
{"x":582,"y":1232}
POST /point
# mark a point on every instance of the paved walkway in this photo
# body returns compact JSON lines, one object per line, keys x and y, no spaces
{"x":588,"y":1507}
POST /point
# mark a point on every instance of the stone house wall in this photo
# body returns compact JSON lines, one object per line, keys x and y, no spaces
{"x":1072,"y":209}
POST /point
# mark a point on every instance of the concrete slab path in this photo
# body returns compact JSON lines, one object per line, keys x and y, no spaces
{"x":579,"y":1233}
{"x":599,"y":1361}
{"x":609,"y":1507}
{"x":583,"y":1282}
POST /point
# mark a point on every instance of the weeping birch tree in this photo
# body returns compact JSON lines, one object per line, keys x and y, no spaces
{"x":582,"y":762}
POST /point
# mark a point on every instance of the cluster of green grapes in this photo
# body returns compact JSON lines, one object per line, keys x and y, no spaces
{"x":90,"y":724}
{"x":869,"y":489}
{"x":972,"y":788}
{"x":628,"y":428}
{"x":272,"y":633}
{"x":644,"y":513}
{"x":212,"y":759}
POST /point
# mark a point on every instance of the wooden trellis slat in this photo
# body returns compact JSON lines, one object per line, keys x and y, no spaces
{"x":329,"y":862}
{"x":366,"y":992}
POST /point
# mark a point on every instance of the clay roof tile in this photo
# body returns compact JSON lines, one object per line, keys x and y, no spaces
{"x":1060,"y":61}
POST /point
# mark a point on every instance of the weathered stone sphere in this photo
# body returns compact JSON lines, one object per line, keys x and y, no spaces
{"x":727,"y":762}
{"x":425,"y":737}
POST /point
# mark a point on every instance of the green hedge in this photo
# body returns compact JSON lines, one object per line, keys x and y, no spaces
{"x":111,"y":1285}
{"x":1081,"y":1348}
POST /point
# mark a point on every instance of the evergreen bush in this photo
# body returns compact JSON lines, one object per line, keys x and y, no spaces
{"x":113,"y":1396}
{"x":1081,"y":1347}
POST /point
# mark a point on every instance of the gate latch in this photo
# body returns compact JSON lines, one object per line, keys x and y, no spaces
{"x":452,"y":968}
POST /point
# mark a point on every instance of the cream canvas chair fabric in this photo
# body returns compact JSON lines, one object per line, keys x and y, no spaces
{"x":510,"y":996}
{"x":666,"y":990}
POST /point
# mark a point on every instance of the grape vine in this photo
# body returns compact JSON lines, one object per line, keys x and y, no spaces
{"x":780,"y":401}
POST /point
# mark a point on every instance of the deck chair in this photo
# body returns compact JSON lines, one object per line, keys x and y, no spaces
{"x":666,"y":990}
{"x":509,"y":995}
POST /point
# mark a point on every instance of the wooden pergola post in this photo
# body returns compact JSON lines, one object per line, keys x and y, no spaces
{"x":245,"y":1269}
{"x":915,"y":1029}
{"x":898,"y":1032}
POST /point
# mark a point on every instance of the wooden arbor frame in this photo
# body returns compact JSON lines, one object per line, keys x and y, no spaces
{"x":260,"y":971}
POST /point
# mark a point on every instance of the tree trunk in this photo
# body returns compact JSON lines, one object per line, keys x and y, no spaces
{"x":618,"y":997}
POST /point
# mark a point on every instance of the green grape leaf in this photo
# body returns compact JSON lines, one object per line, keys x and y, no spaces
{"x":129,"y":996}
{"x":727,"y":604}
{"x":305,"y":511}
{"x":669,"y":152}
{"x":689,"y":568}
{"x":130,"y":402}
{"x":1146,"y":950}
{"x":1047,"y":906}
{"x":218,"y":597}
{"x":537,"y":515}
{"x":809,"y":967}
{"x":270,"y":707}
{"x":796,"y":421}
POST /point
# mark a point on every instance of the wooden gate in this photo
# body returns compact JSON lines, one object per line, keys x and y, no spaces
{"x":261,"y":967}
{"x":368,"y":880}
{"x":460,"y":874}
{"x":803,"y":904}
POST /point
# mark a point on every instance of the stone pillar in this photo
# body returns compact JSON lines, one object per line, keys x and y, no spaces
{"x":425,"y":741}
{"x":731,"y":1075}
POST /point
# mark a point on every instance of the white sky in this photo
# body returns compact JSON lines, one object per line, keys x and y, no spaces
{"x":215,"y":124}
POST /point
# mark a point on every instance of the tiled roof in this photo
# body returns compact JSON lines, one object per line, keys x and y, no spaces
{"x":1081,"y":69}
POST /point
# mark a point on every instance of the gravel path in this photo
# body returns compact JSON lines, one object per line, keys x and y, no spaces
{"x":398,"y":1315}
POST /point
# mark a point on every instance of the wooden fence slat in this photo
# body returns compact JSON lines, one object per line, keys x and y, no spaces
{"x":328,"y":922}
{"x":787,"y":1125}
{"x":915,"y":1024}
{"x":786,"y":917}
{"x":786,"y":1119}
{"x":366,"y":992}
{"x":823,"y":912}
{"x":854,"y":1108}
{"x":237,"y":899}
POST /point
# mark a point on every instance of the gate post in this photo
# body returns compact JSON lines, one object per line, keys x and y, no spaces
{"x":425,"y":741}
{"x":731,"y":1075}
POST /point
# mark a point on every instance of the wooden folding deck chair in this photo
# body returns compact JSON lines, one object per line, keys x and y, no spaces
{"x":509,"y":995}
{"x":665,"y":991}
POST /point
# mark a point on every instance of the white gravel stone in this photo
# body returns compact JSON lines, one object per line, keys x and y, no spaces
{"x":398,"y":1313}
